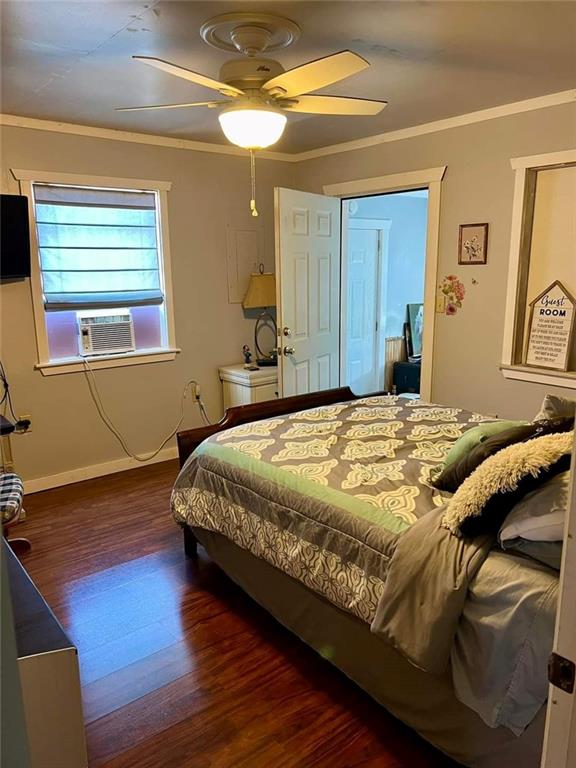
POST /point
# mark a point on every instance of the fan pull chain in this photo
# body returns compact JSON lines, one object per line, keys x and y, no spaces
{"x":253,"y":208}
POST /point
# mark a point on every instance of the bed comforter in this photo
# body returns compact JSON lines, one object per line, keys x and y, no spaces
{"x":339,"y":498}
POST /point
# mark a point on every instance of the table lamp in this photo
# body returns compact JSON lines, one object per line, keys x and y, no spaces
{"x":262,"y":293}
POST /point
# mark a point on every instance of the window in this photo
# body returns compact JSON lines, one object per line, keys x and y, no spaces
{"x":103,"y":263}
{"x":541,"y":255}
{"x":98,"y":247}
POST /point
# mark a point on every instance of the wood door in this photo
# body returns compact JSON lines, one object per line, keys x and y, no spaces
{"x":308,"y":291}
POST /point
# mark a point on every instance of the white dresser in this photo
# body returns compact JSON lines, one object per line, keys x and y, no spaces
{"x":240,"y":386}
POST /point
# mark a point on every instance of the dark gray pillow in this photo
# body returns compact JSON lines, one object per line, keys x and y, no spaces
{"x":452,"y":476}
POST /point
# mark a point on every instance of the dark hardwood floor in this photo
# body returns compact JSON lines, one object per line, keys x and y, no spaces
{"x":179,"y":667}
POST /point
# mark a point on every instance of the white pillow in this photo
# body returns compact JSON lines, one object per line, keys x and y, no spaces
{"x":540,"y":515}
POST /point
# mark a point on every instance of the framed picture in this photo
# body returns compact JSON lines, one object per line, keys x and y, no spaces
{"x":415,"y":317}
{"x":473,"y":244}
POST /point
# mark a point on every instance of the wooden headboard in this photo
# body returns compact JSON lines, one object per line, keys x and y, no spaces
{"x":190,"y":439}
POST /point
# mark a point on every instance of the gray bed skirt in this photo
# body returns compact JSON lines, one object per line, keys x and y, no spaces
{"x":424,"y":702}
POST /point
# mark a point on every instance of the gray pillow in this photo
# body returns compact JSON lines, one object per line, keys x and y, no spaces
{"x":554,"y":405}
{"x":540,"y":515}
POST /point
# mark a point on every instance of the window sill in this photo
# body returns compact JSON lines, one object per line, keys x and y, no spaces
{"x":76,"y":364}
{"x":566,"y":379}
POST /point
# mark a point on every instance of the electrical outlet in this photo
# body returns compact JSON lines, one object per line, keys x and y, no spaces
{"x":24,"y":417}
{"x":197,"y":391}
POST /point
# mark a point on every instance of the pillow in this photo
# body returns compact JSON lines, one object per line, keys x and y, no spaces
{"x":540,"y":515}
{"x":473,"y":437}
{"x":485,"y":498}
{"x":452,"y":476}
{"x":554,"y":406}
{"x":547,"y":552}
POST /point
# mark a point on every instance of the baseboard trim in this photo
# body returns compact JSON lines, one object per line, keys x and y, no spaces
{"x":95,"y":470}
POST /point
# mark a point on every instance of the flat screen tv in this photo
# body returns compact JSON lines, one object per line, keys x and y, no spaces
{"x":14,"y":237}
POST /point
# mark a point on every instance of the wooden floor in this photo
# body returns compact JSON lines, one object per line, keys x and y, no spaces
{"x":179,"y":667}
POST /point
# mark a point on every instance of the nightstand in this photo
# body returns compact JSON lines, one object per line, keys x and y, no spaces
{"x":241,"y":386}
{"x":406,"y":377}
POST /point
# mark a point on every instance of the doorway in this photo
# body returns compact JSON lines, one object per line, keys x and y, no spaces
{"x":308,"y":277}
{"x":382,"y":294}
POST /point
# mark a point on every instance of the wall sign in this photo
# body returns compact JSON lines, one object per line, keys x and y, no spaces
{"x":551,"y":328}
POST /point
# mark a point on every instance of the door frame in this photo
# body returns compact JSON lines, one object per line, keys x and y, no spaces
{"x":427,"y":178}
{"x":559,"y":748}
{"x":383,"y":226}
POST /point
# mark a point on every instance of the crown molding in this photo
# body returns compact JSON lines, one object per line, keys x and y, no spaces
{"x":36,"y":124}
{"x":492,"y":113}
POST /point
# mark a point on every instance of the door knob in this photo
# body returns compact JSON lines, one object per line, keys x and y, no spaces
{"x":286,"y":331}
{"x":289,"y":350}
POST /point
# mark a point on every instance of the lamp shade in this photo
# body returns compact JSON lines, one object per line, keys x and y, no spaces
{"x":252,"y":128}
{"x":261,"y":291}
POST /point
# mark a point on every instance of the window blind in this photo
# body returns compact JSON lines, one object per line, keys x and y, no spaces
{"x":98,"y":247}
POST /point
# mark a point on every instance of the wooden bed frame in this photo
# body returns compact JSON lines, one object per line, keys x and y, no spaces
{"x":190,"y":439}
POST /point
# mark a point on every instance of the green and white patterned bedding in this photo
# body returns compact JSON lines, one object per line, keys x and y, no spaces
{"x":338,"y":497}
{"x":324,"y":493}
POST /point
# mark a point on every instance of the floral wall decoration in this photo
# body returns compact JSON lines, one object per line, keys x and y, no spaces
{"x":451,"y":292}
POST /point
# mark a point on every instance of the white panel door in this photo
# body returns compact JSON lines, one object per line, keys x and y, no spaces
{"x":362,"y":303}
{"x":363,"y":310}
{"x":308,"y":291}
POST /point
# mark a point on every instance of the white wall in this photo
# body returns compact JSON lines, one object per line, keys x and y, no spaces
{"x":144,"y":400}
{"x":478,"y":187}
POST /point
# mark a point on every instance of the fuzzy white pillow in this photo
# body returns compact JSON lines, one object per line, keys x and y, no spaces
{"x":502,"y":473}
{"x":540,"y":515}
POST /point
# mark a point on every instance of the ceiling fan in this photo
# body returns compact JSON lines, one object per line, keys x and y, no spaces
{"x":257,"y":91}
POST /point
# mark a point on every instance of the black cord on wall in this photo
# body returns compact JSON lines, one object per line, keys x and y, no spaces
{"x":22,"y":425}
{"x":6,"y":397}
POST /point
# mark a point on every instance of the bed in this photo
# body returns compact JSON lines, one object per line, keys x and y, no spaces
{"x":321,"y":508}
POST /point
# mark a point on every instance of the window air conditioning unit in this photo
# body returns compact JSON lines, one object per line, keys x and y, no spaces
{"x":106,"y":334}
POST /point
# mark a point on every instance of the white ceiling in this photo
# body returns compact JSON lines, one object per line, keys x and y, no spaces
{"x":70,"y":61}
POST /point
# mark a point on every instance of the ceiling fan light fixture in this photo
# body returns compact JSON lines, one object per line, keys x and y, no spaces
{"x":252,"y":127}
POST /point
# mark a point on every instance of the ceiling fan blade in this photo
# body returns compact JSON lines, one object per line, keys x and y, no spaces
{"x":333,"y":105}
{"x":173,"y":106}
{"x":187,"y":74}
{"x":316,"y":74}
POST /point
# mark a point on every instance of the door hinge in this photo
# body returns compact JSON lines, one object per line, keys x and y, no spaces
{"x":561,"y":672}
